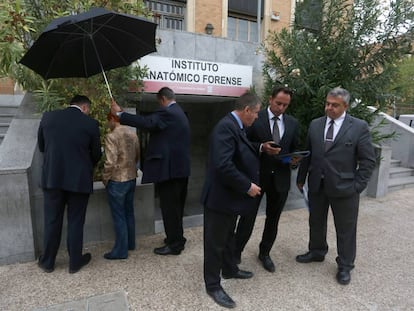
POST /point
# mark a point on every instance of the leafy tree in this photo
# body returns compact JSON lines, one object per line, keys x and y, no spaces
{"x":339,"y":43}
{"x":402,"y":87}
{"x":22,"y":22}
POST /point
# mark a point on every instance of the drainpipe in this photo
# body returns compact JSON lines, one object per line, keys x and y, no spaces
{"x":259,"y":12}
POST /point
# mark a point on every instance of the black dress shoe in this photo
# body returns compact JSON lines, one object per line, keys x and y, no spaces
{"x":41,"y":266}
{"x":86,"y":258}
{"x":309,"y":257}
{"x":241,"y":274}
{"x":166,"y":250}
{"x":267,"y":263}
{"x":112,"y":257}
{"x":343,"y":277}
{"x":221,"y":298}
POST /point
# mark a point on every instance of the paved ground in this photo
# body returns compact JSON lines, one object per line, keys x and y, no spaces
{"x":382,"y":280}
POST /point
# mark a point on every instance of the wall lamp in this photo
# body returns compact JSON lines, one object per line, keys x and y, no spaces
{"x":209,"y":29}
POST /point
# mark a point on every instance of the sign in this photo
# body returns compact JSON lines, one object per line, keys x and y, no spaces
{"x":186,"y":76}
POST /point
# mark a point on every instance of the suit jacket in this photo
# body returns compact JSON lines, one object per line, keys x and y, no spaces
{"x":271,"y":166}
{"x":168,"y":151}
{"x":121,"y":155}
{"x":233,"y":164}
{"x":70,"y":141}
{"x":346,"y":166}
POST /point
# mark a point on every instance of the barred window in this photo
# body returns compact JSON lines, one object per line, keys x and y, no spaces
{"x":167,"y":14}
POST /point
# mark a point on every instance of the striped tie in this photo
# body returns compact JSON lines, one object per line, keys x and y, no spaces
{"x":329,"y":135}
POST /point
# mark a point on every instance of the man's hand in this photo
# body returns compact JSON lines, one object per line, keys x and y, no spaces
{"x":254,"y":190}
{"x":266,"y":147}
{"x":294,"y":161}
{"x":115,"y":108}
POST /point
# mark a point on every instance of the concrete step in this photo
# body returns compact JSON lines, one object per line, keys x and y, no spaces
{"x":11,"y":100}
{"x":8,"y":109}
{"x":395,"y":163}
{"x":4,"y":127}
{"x":2,"y":137}
{"x":6,"y":117}
{"x":397,"y":172}
{"x":400,"y":183}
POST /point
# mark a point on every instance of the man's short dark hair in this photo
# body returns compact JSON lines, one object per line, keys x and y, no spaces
{"x":246,"y":100}
{"x":79,"y":100}
{"x":284,"y":89}
{"x":167,"y":93}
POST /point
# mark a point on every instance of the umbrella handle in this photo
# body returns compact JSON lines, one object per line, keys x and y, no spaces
{"x":100,"y":64}
{"x":106,"y":81}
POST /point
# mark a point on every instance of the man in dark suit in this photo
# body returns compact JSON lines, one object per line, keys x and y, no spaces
{"x":70,"y":141}
{"x":167,"y":163}
{"x":272,"y":124}
{"x":230,"y":189}
{"x":341,"y":162}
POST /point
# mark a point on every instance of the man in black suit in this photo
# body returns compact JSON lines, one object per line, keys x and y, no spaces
{"x":167,"y":162}
{"x":230,"y":189}
{"x":272,"y":124}
{"x":70,"y":141}
{"x":341,"y":162}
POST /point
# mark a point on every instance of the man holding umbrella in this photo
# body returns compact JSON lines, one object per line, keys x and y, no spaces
{"x":167,"y":162}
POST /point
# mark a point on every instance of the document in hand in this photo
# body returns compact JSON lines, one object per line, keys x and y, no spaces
{"x":286,"y":158}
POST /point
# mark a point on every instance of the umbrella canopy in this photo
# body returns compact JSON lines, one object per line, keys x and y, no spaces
{"x":85,"y":44}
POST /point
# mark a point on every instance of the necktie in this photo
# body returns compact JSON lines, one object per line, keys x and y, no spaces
{"x":276,"y":134}
{"x":329,"y":135}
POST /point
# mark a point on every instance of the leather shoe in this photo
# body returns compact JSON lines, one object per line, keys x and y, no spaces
{"x":112,"y":257}
{"x":221,"y":298}
{"x":309,"y":257}
{"x":343,"y":277}
{"x":47,"y":270}
{"x":267,"y":263}
{"x":166,"y":250}
{"x":86,"y":258}
{"x":241,"y":274}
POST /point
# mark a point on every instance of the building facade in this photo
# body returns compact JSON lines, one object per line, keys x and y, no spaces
{"x":233,"y":19}
{"x":208,"y":52}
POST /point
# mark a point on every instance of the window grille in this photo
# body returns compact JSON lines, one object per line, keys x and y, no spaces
{"x":167,"y":14}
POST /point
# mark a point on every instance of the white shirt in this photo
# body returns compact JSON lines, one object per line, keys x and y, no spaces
{"x":75,"y":106}
{"x":280,"y":123}
{"x":337,"y":125}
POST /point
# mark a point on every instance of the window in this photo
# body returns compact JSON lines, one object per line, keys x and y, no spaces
{"x":245,"y":7}
{"x":309,"y":15}
{"x":242,"y":29}
{"x":167,"y":14}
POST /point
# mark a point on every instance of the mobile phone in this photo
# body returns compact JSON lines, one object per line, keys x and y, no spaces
{"x":274,"y":145}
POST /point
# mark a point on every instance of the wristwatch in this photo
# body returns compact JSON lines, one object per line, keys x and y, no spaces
{"x":119,"y":113}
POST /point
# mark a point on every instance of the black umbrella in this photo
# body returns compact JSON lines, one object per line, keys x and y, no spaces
{"x":85,"y":44}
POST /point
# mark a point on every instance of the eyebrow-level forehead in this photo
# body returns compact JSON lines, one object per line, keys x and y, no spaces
{"x":332,"y":103}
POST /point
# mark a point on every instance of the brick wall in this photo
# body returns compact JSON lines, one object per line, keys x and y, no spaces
{"x":284,"y":8}
{"x":6,"y":86}
{"x":208,"y":12}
